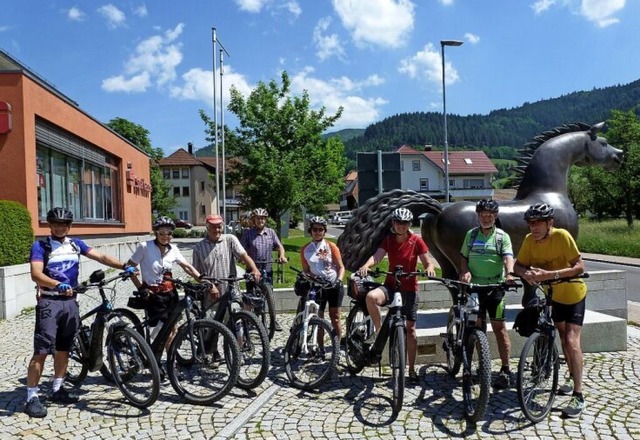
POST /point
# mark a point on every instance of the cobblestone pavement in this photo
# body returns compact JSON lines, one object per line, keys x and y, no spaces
{"x":346,"y":408}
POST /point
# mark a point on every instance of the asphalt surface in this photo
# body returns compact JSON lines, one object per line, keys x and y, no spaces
{"x":347,"y":407}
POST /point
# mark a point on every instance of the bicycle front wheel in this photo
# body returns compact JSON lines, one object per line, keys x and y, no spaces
{"x":255,"y":353}
{"x":118,"y":315}
{"x":358,"y":330}
{"x":202,"y":361}
{"x":397,"y":362}
{"x":476,"y":379}
{"x":538,"y":376}
{"x":134,"y":367}
{"x":268,"y":315}
{"x":311,"y":357}
{"x":77,"y":368}
{"x":449,"y":345}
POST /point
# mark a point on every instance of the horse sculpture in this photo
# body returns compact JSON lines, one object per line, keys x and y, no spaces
{"x":544,"y":169}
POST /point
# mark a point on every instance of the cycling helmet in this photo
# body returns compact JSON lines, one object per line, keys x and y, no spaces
{"x":402,"y":215}
{"x":487,"y":205}
{"x":539,"y":211}
{"x":259,"y":212}
{"x":317,"y":220}
{"x":61,"y":215}
{"x":163,"y":221}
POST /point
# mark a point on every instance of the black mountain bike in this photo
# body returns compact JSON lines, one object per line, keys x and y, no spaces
{"x":133,"y":367}
{"x":250,"y":334}
{"x":539,"y":360}
{"x":195,"y":367}
{"x":312,"y":350}
{"x":259,"y":299}
{"x":359,"y":327}
{"x":466,"y":345}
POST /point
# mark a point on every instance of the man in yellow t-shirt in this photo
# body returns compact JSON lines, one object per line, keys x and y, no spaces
{"x":551,"y":253}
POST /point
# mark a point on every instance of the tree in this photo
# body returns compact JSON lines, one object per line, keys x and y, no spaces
{"x":283,"y":161}
{"x":162,"y":200}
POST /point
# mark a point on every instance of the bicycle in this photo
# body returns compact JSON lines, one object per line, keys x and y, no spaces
{"x":359,"y":328}
{"x":467,"y":346}
{"x":250,"y":334}
{"x":259,"y":299}
{"x":133,"y":367}
{"x":310,"y":338}
{"x":539,"y":363}
{"x":195,"y":368}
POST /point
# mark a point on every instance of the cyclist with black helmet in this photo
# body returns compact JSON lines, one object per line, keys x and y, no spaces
{"x":322,"y":258}
{"x":156,"y":258}
{"x":55,"y":265}
{"x":549,"y":253}
{"x":259,"y":242}
{"x":404,"y":248}
{"x":487,"y":258}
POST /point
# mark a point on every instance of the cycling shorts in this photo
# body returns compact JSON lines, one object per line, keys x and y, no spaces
{"x":410,"y":302}
{"x":333,"y":296}
{"x":159,"y":306}
{"x":491,"y":302}
{"x":569,"y":313}
{"x":57,"y":321}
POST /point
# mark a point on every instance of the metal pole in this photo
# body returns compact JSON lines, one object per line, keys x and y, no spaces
{"x":224,"y":170}
{"x":215,"y":123}
{"x":446,"y":143}
{"x":379,"y":171}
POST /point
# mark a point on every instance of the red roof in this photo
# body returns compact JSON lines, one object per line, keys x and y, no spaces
{"x":180,"y":157}
{"x":460,"y":162}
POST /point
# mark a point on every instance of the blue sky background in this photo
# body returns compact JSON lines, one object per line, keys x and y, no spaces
{"x":151,"y":62}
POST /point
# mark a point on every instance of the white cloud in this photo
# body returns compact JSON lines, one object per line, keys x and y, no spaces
{"x":294,"y":8}
{"x":427,"y":64}
{"x":446,"y":2}
{"x":472,"y":38}
{"x":601,"y":11}
{"x":385,"y":23}
{"x":542,"y":5}
{"x":253,"y":6}
{"x":75,"y":14}
{"x":327,"y":45}
{"x":141,"y":11}
{"x":154,"y":62}
{"x":359,"y":111}
{"x":115,"y":17}
{"x":198,"y":85}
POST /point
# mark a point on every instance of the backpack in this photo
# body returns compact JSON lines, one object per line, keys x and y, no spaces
{"x":526,"y":322}
{"x":46,"y":246}
{"x":499,"y":236}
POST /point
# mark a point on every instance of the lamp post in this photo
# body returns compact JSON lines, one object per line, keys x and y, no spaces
{"x":444,"y":43}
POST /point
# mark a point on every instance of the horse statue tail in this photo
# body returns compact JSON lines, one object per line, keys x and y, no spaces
{"x":372,"y":222}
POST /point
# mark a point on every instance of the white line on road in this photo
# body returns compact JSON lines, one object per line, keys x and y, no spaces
{"x":233,"y":427}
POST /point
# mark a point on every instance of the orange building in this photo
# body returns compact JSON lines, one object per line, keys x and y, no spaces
{"x":52,"y":153}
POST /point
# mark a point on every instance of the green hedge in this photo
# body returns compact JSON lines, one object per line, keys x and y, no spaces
{"x":17,"y":237}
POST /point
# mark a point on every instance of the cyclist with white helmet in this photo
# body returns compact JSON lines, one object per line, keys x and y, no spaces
{"x":404,"y":248}
{"x":549,"y":253}
{"x":487,"y":258}
{"x":323,"y":258}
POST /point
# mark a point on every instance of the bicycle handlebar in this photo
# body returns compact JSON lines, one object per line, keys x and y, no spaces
{"x":247,"y":277}
{"x":450,"y":282}
{"x":313,"y":278}
{"x":85,"y":285}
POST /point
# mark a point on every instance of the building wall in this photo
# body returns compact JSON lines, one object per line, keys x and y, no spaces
{"x":29,"y":100}
{"x":204,"y":198}
{"x":411,"y":179}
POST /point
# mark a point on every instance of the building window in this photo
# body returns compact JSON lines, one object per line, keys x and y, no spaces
{"x":176,"y":191}
{"x":183,"y":215}
{"x":202,"y":210}
{"x":175,"y":173}
{"x":166,"y":173}
{"x":185,"y":173}
{"x":416,"y":165}
{"x":202,"y":186}
{"x":424,"y":184}
{"x":185,"y":191}
{"x":452,"y":183}
{"x":473,"y":183}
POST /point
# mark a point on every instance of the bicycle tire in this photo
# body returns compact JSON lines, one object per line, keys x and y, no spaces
{"x":397,"y":362}
{"x":537,"y":376}
{"x":357,"y":331}
{"x":309,"y":370}
{"x":449,"y":345}
{"x":136,"y":371}
{"x":77,"y":368}
{"x":124,"y":315}
{"x":268,"y":315}
{"x":476,"y":379}
{"x":207,"y":377}
{"x":255,"y":352}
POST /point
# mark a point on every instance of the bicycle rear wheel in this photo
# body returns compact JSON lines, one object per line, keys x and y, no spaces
{"x":307,"y":367}
{"x":208,"y":366}
{"x":538,"y":376}
{"x":118,"y":315}
{"x":268,"y":315}
{"x":134,"y":367}
{"x":397,"y":362}
{"x":476,"y":379}
{"x":449,"y":345}
{"x":358,"y":329}
{"x":77,"y":368}
{"x":255,"y":353}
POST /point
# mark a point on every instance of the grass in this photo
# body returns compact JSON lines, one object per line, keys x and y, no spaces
{"x":609,"y":237}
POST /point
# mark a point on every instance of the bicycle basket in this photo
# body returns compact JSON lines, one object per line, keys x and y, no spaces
{"x":358,"y":287}
{"x":526,"y":321}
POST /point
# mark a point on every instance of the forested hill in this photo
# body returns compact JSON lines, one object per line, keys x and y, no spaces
{"x":501,"y":128}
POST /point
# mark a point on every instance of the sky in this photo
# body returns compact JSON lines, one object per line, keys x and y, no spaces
{"x":152,"y":61}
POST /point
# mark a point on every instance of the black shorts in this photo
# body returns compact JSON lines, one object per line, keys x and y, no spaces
{"x":409,"y":302}
{"x":333,"y":296}
{"x":569,"y":313}
{"x":491,"y":302}
{"x":159,"y":306}
{"x":57,"y":321}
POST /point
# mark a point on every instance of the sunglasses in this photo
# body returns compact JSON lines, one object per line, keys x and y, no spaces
{"x":317,"y":229}
{"x":398,"y":222}
{"x":165,"y":233}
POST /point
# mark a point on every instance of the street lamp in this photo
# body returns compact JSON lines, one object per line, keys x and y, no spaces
{"x":444,"y":43}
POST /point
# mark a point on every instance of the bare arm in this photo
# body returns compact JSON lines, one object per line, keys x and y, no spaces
{"x":508,"y":262}
{"x":428,"y":264}
{"x":105,"y":259}
{"x":38,"y":276}
{"x":372,"y":261}
{"x":465,"y":273}
{"x":246,"y":259}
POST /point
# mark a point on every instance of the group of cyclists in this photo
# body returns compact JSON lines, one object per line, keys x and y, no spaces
{"x":486,"y":258}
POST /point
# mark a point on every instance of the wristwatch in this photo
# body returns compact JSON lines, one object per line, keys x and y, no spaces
{"x":556,"y":275}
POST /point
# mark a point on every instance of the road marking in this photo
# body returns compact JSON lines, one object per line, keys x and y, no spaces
{"x":232,"y":428}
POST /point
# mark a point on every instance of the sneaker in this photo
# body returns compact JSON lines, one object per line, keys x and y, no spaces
{"x":413,"y":376}
{"x":371,"y":339}
{"x":64,"y":396}
{"x":567,"y":388}
{"x":278,"y":327}
{"x":503,"y":381}
{"x":34,"y":408}
{"x":575,"y":408}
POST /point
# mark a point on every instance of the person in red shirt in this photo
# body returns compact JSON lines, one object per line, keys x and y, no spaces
{"x":404,"y":248}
